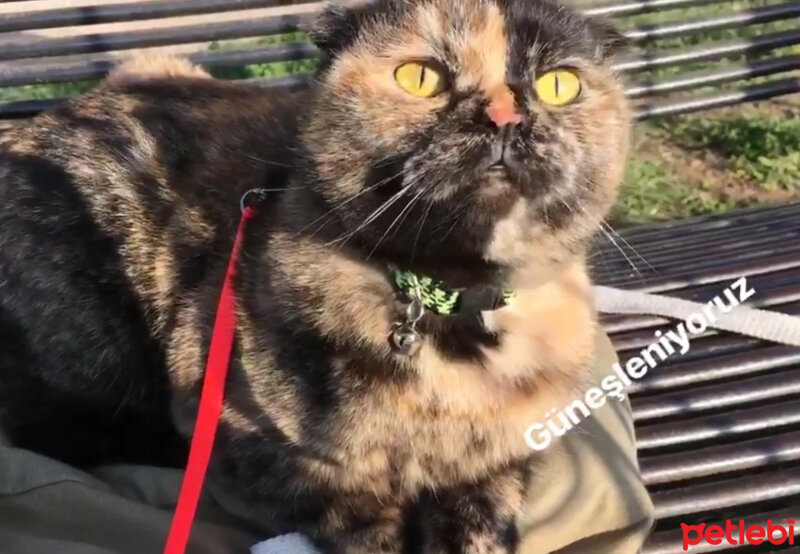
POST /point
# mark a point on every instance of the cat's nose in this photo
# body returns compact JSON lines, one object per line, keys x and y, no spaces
{"x":502,"y":109}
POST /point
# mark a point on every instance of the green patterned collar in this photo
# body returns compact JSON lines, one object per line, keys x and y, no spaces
{"x":443,"y":300}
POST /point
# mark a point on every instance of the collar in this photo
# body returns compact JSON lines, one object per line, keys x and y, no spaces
{"x":444,"y":300}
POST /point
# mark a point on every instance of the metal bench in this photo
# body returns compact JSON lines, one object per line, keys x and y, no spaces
{"x":717,"y":427}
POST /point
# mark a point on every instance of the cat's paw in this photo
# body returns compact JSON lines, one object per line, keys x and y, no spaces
{"x":488,"y":542}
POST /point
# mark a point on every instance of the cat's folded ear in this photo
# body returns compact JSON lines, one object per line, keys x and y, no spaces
{"x":610,"y":40}
{"x":337,"y":25}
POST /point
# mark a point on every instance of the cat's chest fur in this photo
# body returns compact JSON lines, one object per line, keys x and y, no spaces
{"x":395,"y":423}
{"x":461,"y":417}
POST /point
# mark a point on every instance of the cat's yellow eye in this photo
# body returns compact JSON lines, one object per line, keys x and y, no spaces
{"x":419,"y":79}
{"x":558,"y":88}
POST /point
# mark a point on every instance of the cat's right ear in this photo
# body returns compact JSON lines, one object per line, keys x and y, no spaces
{"x":610,"y":40}
{"x":335,"y":28}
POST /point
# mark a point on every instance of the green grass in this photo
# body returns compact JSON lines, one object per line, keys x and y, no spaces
{"x":41,"y":92}
{"x":650,"y":192}
{"x":752,"y":148}
{"x":264,"y":70}
{"x":760,"y":148}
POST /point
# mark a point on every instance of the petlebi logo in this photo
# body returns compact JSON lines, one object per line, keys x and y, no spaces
{"x":738,"y":533}
{"x":676,"y":341}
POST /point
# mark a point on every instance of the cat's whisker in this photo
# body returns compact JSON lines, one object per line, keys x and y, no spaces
{"x":269,"y":162}
{"x":347,"y":201}
{"x":419,"y":230}
{"x":403,"y":213}
{"x":626,"y":243}
{"x":372,"y":217}
{"x":605,"y":225}
{"x":608,"y":236}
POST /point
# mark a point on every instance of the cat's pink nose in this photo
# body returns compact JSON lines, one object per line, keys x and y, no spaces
{"x":502,"y":109}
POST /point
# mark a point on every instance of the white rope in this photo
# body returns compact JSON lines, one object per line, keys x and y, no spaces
{"x":744,"y":320}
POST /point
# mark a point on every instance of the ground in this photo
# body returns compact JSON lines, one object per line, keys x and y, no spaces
{"x":712,"y":162}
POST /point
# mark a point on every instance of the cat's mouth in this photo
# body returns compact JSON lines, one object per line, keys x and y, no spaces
{"x":498,"y":168}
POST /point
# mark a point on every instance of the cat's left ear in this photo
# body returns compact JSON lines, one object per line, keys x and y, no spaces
{"x":609,"y":39}
{"x":336,"y":27}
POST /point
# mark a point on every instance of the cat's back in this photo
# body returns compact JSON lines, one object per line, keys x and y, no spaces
{"x":109,"y":205}
{"x":194,"y":138}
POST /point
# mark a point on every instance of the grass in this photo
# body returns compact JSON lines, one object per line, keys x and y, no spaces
{"x":42,"y":92}
{"x":761,"y":148}
{"x":264,"y":70}
{"x":651,"y":193}
{"x":713,"y":161}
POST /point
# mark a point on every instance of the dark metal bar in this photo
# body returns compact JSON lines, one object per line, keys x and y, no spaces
{"x":291,"y":82}
{"x":718,"y":427}
{"x":704,"y":237}
{"x":652,"y":60}
{"x":719,"y":100}
{"x":107,"y":42}
{"x":715,"y":397}
{"x":706,"y":78}
{"x":703,"y":347}
{"x":736,"y":19}
{"x":98,"y":68}
{"x":653,"y":279}
{"x":745,"y":364}
{"x":765,"y":241}
{"x":27,"y":108}
{"x":726,"y":494}
{"x":734,"y":219}
{"x":676,"y":263}
{"x":130,"y":11}
{"x":645,"y":6}
{"x":706,"y":234}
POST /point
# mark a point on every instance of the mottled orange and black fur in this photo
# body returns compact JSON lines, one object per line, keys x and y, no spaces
{"x":117,"y":216}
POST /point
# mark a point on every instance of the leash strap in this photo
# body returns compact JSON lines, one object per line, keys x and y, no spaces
{"x":210,"y":407}
{"x":761,"y":324}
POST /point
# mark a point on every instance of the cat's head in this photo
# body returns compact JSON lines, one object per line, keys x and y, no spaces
{"x":475,"y":129}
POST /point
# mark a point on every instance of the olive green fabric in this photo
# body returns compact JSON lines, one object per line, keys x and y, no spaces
{"x":587,"y":499}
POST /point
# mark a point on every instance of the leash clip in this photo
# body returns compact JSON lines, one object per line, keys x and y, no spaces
{"x":406,"y":339}
{"x":261,"y":194}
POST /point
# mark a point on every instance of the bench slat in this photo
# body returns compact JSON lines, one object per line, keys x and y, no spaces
{"x":728,"y":493}
{"x":129,"y":11}
{"x":97,"y":69}
{"x":726,"y":74}
{"x":718,"y":426}
{"x":721,"y":99}
{"x":108,"y":42}
{"x":741,"y":18}
{"x":712,"y":51}
{"x":637,"y":7}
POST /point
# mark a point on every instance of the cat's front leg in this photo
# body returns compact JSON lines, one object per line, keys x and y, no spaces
{"x":358,"y":526}
{"x":477,"y":518}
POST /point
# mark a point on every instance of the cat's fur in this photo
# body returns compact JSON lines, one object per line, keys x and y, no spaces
{"x":117,"y":216}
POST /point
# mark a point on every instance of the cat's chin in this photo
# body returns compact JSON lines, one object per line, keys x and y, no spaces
{"x":498,"y":191}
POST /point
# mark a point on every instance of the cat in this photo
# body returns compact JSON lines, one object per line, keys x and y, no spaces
{"x":472,"y":143}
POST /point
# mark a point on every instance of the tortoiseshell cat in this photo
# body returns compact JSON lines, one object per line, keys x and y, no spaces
{"x":478,"y":142}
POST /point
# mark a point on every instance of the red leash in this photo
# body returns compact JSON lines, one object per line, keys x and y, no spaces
{"x":210,"y":408}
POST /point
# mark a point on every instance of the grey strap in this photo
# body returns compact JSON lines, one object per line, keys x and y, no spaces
{"x":744,"y":320}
